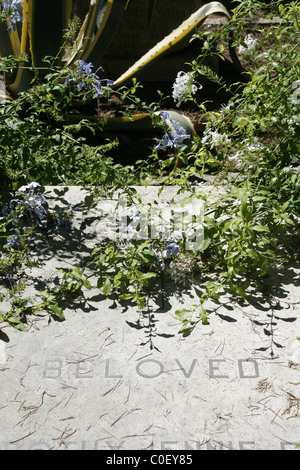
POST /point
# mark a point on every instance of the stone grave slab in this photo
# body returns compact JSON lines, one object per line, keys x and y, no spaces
{"x":115,"y":378}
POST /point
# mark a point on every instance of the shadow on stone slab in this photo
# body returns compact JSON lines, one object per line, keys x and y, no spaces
{"x":4,"y":337}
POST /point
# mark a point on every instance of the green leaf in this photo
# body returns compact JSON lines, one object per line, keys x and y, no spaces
{"x":143,"y":276}
{"x":147,"y":256}
{"x":126,"y":296}
{"x":106,"y":286}
{"x":183,"y":314}
{"x":233,"y":254}
{"x":285,"y":206}
{"x":86,"y":283}
{"x":186,"y":331}
{"x":203,"y":316}
{"x":16,"y":323}
{"x":260,"y":228}
{"x":244,"y":209}
{"x":58,"y":312}
{"x":77,"y":270}
{"x":238,"y":289}
{"x":264,"y":267}
{"x":204,"y":245}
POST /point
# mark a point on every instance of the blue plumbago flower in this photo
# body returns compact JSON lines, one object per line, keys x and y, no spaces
{"x":172,"y":249}
{"x":29,"y":212}
{"x":34,"y":202}
{"x":37,"y":211}
{"x":13,"y":241}
{"x":176,"y":134}
{"x":98,"y":85}
{"x":85,"y":67}
{"x":5,"y":211}
{"x":86,"y":78}
{"x":10,"y":8}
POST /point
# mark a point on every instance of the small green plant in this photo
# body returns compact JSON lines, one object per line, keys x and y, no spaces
{"x":25,"y":220}
{"x":119,"y":270}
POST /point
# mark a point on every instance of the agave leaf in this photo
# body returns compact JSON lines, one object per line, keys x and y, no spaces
{"x":87,"y":29}
{"x":20,"y":44}
{"x":6,"y":46}
{"x":37,"y":38}
{"x":104,"y":18}
{"x":150,"y":7}
{"x":10,"y":43}
{"x":43,"y":19}
{"x":143,"y":122}
{"x":178,"y":36}
{"x":184,"y":122}
{"x":15,"y":41}
{"x":135,"y":123}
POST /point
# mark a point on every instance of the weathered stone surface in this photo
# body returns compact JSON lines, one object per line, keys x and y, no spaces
{"x":115,"y":378}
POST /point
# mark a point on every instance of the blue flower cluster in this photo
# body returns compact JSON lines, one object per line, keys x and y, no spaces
{"x":27,"y":212}
{"x":175,"y":135}
{"x":170,"y":249}
{"x":10,"y":9}
{"x":86,"y":79}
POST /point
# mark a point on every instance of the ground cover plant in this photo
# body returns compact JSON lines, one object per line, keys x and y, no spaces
{"x":247,"y":138}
